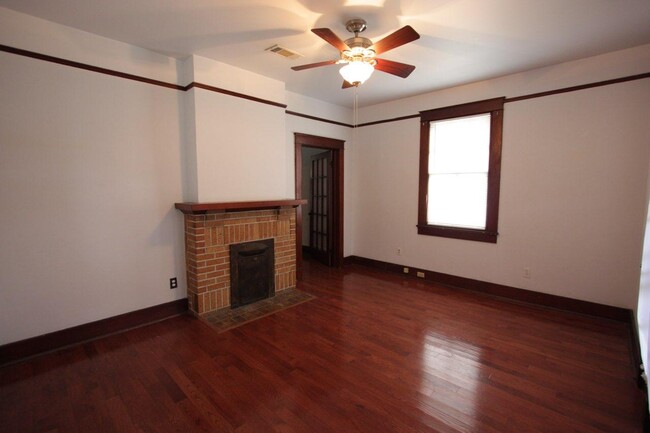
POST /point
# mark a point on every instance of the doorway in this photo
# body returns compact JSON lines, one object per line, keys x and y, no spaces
{"x":319,"y":179}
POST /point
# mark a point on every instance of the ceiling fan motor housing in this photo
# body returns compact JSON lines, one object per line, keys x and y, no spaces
{"x":359,"y":50}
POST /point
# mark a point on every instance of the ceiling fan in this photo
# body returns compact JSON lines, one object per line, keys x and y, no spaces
{"x":359,"y":53}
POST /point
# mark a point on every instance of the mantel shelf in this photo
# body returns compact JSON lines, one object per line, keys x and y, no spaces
{"x":199,"y":208}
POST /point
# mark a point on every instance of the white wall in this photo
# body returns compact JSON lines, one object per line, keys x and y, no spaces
{"x":574,"y":173}
{"x":91,"y":166}
{"x":26,"y":32}
{"x":89,"y":172}
{"x":241,"y":152}
{"x":237,"y":145}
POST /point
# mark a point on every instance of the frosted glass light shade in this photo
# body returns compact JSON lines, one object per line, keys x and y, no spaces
{"x":356,"y":72}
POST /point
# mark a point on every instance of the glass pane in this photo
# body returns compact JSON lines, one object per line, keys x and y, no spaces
{"x":457,"y":200}
{"x":460,"y":145}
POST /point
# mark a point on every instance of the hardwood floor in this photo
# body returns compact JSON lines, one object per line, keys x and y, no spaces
{"x":375,"y":352}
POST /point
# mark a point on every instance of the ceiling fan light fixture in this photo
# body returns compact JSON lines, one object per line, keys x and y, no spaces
{"x":359,"y":53}
{"x":356,"y":73}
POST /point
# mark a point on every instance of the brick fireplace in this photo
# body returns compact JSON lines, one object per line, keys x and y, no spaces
{"x":210,"y":230}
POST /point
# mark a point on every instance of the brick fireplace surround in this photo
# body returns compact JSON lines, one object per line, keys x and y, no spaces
{"x":210,"y":229}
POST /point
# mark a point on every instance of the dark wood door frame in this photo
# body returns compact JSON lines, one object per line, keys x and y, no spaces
{"x":337,"y":147}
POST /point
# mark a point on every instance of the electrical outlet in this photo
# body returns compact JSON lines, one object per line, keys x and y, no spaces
{"x":173,"y":283}
{"x":398,"y":251}
{"x":406,"y":270}
{"x":527,"y":273}
{"x":420,"y":274}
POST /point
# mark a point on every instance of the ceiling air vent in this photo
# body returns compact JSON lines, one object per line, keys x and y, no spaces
{"x":284,"y":52}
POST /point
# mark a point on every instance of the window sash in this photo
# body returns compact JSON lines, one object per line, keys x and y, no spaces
{"x":460,"y":145}
{"x":457,"y":200}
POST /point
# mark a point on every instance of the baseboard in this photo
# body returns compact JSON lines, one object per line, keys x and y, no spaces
{"x":18,"y":350}
{"x":512,"y":293}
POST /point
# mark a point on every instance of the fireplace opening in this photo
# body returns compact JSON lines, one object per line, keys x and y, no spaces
{"x":252,"y":272}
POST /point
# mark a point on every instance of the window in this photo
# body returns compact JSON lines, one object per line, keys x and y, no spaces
{"x":460,"y":169}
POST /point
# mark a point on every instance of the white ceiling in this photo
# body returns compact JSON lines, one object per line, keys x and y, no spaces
{"x":461,"y":40}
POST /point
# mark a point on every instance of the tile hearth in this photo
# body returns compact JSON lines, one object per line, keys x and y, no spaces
{"x":225,"y":319}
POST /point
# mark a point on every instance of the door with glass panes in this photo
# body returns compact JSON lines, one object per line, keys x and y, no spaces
{"x":320,"y":223}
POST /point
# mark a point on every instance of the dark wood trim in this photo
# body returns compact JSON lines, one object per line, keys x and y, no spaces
{"x":499,"y":290}
{"x":320,"y":142}
{"x":423,"y":177}
{"x":198,"y":208}
{"x":458,"y":233}
{"x":337,"y":147}
{"x":319,"y":119}
{"x":78,"y":65}
{"x":231,"y":93}
{"x":18,"y":350}
{"x":490,"y":233}
{"x":394,"y":119}
{"x":581,"y":87}
{"x":467,"y":109}
{"x":86,"y":67}
{"x":106,"y":71}
{"x":297,"y":158}
{"x":494,"y":174}
{"x":534,"y":95}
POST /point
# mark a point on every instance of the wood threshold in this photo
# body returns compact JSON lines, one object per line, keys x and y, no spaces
{"x":198,"y":208}
{"x":19,"y":350}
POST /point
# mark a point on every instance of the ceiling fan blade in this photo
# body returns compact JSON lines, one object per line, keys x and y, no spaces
{"x":346,"y":85}
{"x":314,"y":65}
{"x":402,"y":36}
{"x":396,"y":68}
{"x":331,"y":38}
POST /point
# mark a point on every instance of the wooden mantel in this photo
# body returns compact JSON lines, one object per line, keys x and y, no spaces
{"x":200,"y":208}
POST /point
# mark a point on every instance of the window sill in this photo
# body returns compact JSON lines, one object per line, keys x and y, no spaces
{"x":458,"y":233}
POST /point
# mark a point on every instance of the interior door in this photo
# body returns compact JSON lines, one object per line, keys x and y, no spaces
{"x":320,"y":222}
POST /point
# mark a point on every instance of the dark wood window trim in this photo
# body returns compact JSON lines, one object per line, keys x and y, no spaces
{"x":495,"y":108}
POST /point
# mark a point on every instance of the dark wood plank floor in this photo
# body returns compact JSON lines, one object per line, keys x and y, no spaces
{"x":374,"y":352}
